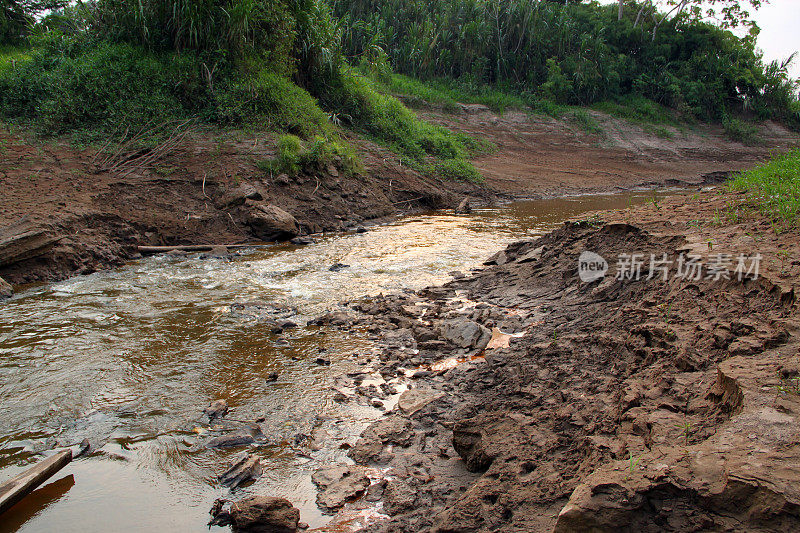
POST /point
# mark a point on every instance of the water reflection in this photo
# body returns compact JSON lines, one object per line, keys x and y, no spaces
{"x":129,"y":358}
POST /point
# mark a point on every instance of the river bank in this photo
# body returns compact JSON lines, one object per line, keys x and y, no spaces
{"x":644,"y":403}
{"x":62,"y":214}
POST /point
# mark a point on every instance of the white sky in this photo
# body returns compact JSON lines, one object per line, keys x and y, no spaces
{"x":779,"y":21}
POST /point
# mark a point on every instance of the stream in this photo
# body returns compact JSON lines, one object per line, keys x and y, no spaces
{"x":129,"y":358}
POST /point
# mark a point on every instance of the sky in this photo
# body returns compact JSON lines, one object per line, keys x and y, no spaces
{"x":779,"y":21}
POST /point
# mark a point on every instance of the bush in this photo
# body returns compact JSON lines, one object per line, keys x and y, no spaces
{"x":456,"y":170}
{"x":741,"y":131}
{"x":316,"y":155}
{"x":270,"y":101}
{"x":94,"y":89}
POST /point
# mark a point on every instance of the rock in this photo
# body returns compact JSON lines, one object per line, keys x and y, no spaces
{"x":465,"y":333}
{"x":240,"y":437}
{"x":216,"y":252}
{"x":375,"y":491}
{"x":217,"y":409}
{"x":337,"y":267}
{"x":361,"y":229}
{"x":245,"y":468}
{"x":6,"y":290}
{"x":413,"y":400}
{"x":239,"y":195}
{"x":273,"y":376}
{"x":474,"y":109}
{"x":334,"y":318}
{"x":338,"y":485}
{"x":322,"y":361}
{"x":258,"y":514}
{"x":302,"y":241}
{"x":25,"y":240}
{"x":399,"y":497}
{"x":339,"y":397}
{"x":464,"y":208}
{"x":271,"y":223}
{"x":287,"y":324}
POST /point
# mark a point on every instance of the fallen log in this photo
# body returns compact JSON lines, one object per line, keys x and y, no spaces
{"x":14,"y":490}
{"x":191,"y":248}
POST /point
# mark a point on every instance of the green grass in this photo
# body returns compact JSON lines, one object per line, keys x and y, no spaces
{"x":430,"y":148}
{"x":638,"y":109}
{"x":449,"y":93}
{"x":295,"y":155}
{"x":774,"y":187}
{"x":741,"y":131}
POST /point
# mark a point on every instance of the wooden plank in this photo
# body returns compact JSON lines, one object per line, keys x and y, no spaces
{"x":14,"y":490}
{"x":193,"y":247}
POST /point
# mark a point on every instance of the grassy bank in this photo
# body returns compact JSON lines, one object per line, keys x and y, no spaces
{"x":774,"y":188}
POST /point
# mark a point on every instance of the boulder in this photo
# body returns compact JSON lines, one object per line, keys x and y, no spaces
{"x":6,"y":290}
{"x":241,"y":437}
{"x":271,"y":223}
{"x":413,"y":400}
{"x":465,"y":333}
{"x":264,"y":514}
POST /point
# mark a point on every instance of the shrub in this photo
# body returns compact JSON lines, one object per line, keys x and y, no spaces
{"x":741,"y":131}
{"x":270,"y":101}
{"x":94,"y":89}
{"x":294,"y":156}
{"x":456,"y":170}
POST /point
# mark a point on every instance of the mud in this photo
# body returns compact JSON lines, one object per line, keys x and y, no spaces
{"x":615,"y":405}
{"x":61,"y":216}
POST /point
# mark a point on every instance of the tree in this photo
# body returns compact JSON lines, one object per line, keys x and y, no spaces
{"x":725,"y":13}
{"x":16,"y":16}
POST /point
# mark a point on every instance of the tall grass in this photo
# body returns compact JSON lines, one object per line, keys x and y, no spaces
{"x":774,"y":187}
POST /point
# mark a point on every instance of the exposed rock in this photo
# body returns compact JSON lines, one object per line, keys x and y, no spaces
{"x":465,"y":333}
{"x":338,"y":485}
{"x":239,"y":195}
{"x":245,"y":468}
{"x":258,"y":514}
{"x":337,"y":267}
{"x":25,"y":240}
{"x":463,"y":208}
{"x":302,"y":241}
{"x":271,"y":223}
{"x":399,"y":497}
{"x":241,"y":437}
{"x":413,"y":400}
{"x":6,"y":290}
{"x":217,"y":409}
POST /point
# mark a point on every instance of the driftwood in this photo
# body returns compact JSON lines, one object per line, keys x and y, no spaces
{"x":14,"y":490}
{"x":191,"y":248}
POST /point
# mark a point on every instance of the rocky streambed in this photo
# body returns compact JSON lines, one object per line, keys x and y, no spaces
{"x":539,"y":402}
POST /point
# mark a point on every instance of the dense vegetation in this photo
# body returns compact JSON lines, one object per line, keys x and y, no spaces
{"x":578,"y":53}
{"x":122,"y":65}
{"x":308,"y":68}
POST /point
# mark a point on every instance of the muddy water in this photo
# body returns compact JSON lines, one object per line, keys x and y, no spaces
{"x":128,"y":359}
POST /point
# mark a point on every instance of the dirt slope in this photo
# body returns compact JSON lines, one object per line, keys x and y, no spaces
{"x":61,"y":215}
{"x":617,"y":405}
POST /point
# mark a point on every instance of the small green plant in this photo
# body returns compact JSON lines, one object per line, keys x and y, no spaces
{"x":788,"y":385}
{"x":585,"y":121}
{"x":686,"y":430}
{"x":655,"y":201}
{"x":633,"y":464}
